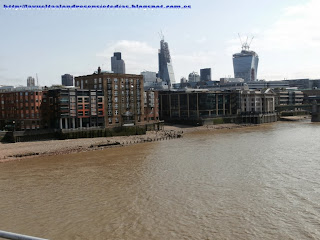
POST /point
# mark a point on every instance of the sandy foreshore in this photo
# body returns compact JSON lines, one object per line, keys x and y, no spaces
{"x":21,"y":150}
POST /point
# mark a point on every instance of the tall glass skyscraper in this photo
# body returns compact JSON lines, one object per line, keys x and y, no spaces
{"x":117,"y":64}
{"x":245,"y":65}
{"x":165,"y":64}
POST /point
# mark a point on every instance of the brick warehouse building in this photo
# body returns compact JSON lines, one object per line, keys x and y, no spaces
{"x":21,"y":109}
{"x":59,"y":108}
{"x":123,"y":96}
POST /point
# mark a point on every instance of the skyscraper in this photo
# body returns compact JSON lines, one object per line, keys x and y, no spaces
{"x":30,"y":82}
{"x":194,"y":77}
{"x":117,"y":64}
{"x":67,"y":80}
{"x":245,"y":64}
{"x":205,"y":74}
{"x":165,"y":64}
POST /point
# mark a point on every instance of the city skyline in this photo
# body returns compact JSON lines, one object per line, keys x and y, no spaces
{"x":53,"y":42}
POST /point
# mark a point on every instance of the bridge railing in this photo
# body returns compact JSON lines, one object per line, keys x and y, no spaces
{"x":15,"y":236}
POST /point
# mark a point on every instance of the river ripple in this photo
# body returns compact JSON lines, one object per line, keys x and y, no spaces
{"x":253,"y":183}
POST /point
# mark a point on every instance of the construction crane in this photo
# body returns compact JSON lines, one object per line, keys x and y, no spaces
{"x":245,"y":46}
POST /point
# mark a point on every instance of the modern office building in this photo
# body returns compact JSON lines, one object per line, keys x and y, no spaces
{"x":30,"y":82}
{"x":152,"y":82}
{"x":193,"y":77}
{"x":165,"y":64}
{"x":151,"y":106}
{"x":117,"y":63}
{"x":205,"y":74}
{"x":289,"y":97}
{"x":196,"y":104}
{"x":199,"y":106}
{"x":245,"y":64}
{"x":71,"y":108}
{"x":123,"y":96}
{"x":67,"y":80}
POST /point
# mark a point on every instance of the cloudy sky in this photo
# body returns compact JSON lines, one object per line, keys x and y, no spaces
{"x":50,"y":43}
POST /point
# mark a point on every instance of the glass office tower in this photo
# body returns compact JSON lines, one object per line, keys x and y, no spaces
{"x":245,"y":65}
{"x":165,"y":64}
{"x":117,"y":64}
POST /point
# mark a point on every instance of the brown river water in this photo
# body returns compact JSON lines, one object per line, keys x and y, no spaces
{"x":249,"y":183}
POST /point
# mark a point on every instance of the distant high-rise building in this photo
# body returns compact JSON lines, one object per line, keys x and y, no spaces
{"x":245,"y":64}
{"x":151,"y":81}
{"x":117,"y":64}
{"x":67,"y":80}
{"x":30,"y":82}
{"x":205,"y":74}
{"x":194,"y":77}
{"x":165,"y":64}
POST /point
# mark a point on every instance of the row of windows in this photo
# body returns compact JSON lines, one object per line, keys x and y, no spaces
{"x":32,"y":115}
{"x":87,"y":106}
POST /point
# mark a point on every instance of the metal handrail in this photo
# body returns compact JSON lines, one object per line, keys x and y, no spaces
{"x":15,"y":236}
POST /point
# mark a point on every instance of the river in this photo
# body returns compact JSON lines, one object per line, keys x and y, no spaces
{"x":258,"y":182}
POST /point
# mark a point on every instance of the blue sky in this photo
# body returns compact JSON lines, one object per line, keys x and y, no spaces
{"x":54,"y":42}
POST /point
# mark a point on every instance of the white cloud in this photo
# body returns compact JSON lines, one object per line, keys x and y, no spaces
{"x":201,"y":40}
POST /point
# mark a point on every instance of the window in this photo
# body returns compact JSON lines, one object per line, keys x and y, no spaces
{"x":116,"y":99}
{"x":80,"y":100}
{"x":109,"y":113}
{"x":80,"y":106}
{"x":95,"y":81}
{"x":116,"y":112}
{"x":110,"y":120}
{"x":86,"y":113}
{"x":117,"y":120}
{"x":100,"y":106}
{"x":100,"y":80}
{"x":99,"y":99}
